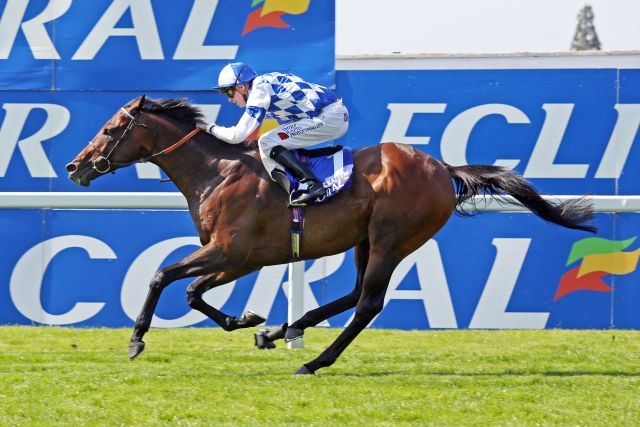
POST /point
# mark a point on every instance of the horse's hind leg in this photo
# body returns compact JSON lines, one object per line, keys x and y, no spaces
{"x":371,"y":302}
{"x":315,"y":316}
{"x":196,"y":290}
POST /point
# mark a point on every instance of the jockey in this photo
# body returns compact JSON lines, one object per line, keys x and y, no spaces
{"x":307,"y":114}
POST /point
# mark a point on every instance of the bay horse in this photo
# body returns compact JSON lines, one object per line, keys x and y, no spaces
{"x":399,"y":199}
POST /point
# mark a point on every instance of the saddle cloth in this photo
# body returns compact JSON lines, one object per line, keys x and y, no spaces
{"x":333,"y":166}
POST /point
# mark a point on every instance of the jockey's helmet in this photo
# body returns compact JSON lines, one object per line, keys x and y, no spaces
{"x":236,"y":73}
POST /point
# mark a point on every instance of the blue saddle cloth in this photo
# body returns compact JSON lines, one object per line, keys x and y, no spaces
{"x":333,"y":166}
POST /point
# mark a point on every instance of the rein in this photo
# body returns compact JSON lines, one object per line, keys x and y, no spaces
{"x":132,"y":122}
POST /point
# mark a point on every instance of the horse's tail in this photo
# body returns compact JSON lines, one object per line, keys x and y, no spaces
{"x":475,"y":180}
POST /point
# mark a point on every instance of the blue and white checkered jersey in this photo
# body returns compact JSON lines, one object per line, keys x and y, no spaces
{"x":284,"y":97}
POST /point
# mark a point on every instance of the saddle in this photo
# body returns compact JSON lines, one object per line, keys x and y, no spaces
{"x":333,"y":166}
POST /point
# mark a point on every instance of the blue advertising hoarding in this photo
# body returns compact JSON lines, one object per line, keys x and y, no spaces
{"x":520,"y":276}
{"x":569,"y":131}
{"x":498,"y":270}
{"x":160,"y":45}
{"x":66,"y":66}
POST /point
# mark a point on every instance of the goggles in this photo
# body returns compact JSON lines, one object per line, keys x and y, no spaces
{"x":229,"y":91}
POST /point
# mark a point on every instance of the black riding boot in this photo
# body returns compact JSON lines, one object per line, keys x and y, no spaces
{"x":302,"y":173}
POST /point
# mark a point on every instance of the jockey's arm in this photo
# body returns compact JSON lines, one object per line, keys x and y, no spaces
{"x":249,"y":122}
{"x":254,"y":113}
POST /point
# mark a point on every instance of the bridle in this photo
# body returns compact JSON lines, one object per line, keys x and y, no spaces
{"x":102,"y":158}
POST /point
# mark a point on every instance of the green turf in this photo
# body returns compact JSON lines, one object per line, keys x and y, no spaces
{"x":66,"y":376}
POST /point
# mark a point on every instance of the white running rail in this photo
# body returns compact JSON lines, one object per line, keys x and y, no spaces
{"x":174,"y":200}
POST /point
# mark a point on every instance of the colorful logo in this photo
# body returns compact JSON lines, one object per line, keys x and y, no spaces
{"x":269,"y":14}
{"x":266,"y":126}
{"x":600,"y":257}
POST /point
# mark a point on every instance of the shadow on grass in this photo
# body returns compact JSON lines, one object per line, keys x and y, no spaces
{"x":487,"y":374}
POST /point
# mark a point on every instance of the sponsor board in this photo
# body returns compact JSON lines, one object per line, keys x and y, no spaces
{"x":67,"y":66}
{"x":159,"y":45}
{"x":498,"y":270}
{"x":568,"y":131}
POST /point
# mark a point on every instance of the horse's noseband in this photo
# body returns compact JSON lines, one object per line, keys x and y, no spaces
{"x":101,"y":159}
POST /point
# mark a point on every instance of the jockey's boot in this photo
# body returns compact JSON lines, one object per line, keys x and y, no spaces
{"x":302,"y":173}
{"x":280,"y":177}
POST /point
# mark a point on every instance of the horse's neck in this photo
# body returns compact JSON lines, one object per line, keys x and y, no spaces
{"x":199,"y":165}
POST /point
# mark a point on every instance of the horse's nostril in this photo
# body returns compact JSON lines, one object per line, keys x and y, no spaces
{"x":72,"y":167}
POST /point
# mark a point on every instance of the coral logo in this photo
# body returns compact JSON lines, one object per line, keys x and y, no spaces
{"x":600,"y":257}
{"x":270,"y":12}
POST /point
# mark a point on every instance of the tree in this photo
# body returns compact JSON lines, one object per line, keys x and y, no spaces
{"x":585,"y":37}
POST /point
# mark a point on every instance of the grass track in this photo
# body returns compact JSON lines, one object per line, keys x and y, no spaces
{"x":68,"y":376}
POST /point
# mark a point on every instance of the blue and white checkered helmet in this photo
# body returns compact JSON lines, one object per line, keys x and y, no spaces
{"x":236,"y":73}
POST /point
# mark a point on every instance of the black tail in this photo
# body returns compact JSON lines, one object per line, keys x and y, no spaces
{"x":475,"y":180}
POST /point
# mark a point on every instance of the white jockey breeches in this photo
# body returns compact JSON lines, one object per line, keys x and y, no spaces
{"x":332,"y":123}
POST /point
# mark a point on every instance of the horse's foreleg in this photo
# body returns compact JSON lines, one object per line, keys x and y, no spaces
{"x":204,"y":261}
{"x":143,"y":321}
{"x":228,"y":323}
{"x":376,"y":281}
{"x":315,"y":316}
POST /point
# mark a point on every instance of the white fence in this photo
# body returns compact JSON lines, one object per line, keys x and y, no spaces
{"x":173,"y":200}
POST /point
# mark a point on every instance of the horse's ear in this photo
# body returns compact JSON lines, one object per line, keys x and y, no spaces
{"x":140,"y":103}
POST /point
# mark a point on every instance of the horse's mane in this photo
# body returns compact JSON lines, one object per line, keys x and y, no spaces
{"x":182,"y":111}
{"x":178,"y":109}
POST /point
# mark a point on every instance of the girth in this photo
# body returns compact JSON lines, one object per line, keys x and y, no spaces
{"x":297,"y":226}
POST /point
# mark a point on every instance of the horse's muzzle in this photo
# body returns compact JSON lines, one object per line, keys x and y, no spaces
{"x":74,"y":175}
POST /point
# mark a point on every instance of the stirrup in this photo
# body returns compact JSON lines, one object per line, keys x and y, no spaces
{"x":306,"y":197}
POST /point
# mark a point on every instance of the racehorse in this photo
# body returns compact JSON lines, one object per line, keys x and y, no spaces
{"x":399,"y":198}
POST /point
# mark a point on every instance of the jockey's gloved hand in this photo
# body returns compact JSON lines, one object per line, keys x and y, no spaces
{"x":207,"y":127}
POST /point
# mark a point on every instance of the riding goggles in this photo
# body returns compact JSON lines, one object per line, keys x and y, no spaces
{"x":229,"y":91}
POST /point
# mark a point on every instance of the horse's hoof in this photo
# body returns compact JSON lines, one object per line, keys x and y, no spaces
{"x":252,"y":319}
{"x":303,"y":370}
{"x":277,"y":333}
{"x":135,"y":348}
{"x":293,"y":334}
{"x":262,"y":340}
